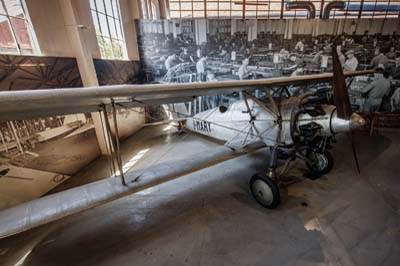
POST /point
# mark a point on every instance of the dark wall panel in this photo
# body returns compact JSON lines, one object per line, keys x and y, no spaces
{"x":34,"y":72}
{"x":111,"y":72}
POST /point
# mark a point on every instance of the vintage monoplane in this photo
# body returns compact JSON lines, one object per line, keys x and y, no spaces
{"x":292,"y":127}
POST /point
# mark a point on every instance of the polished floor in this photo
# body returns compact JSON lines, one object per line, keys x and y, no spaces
{"x":210,"y":218}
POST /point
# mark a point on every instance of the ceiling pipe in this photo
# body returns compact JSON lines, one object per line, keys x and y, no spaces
{"x":302,"y":5}
{"x":340,"y":5}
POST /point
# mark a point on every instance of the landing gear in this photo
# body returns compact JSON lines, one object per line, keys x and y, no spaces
{"x":319,"y":163}
{"x":265,"y":191}
{"x":264,"y":187}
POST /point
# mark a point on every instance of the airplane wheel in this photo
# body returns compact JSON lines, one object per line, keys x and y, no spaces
{"x":319,"y":163}
{"x":265,"y":191}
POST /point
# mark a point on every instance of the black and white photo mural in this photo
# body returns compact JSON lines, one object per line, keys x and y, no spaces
{"x":201,"y":50}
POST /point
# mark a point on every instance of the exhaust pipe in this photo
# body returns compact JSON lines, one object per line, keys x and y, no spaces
{"x":340,"y":5}
{"x":302,"y":5}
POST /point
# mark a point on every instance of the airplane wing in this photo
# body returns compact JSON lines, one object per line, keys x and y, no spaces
{"x":16,"y":105}
{"x":59,"y":205}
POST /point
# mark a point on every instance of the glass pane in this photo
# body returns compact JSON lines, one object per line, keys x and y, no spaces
{"x":262,"y":13}
{"x":236,"y":13}
{"x":111,"y":22}
{"x":174,"y":6}
{"x":186,"y":14}
{"x":100,"y":41}
{"x":224,"y":6}
{"x":14,"y":8}
{"x":22,"y":33}
{"x":224,"y":13}
{"x":198,"y":6}
{"x":117,"y":49}
{"x":119,"y":29}
{"x":105,"y":45}
{"x":212,"y":13}
{"x":198,"y":14}
{"x":100,"y":5}
{"x":250,"y":14}
{"x":96,"y":22}
{"x":7,"y":43}
{"x":251,"y":7}
{"x":275,"y":7}
{"x":212,"y":6}
{"x":186,"y":6}
{"x":115,"y":7}
{"x":2,"y":10}
{"x":175,"y":14}
{"x":109,"y":10}
{"x":92,"y":5}
{"x":103,"y":25}
{"x":237,"y":7}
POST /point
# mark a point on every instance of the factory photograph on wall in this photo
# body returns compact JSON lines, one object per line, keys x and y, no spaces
{"x":202,"y":50}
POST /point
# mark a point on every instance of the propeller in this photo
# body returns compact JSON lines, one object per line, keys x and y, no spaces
{"x":342,"y":101}
{"x":340,"y":93}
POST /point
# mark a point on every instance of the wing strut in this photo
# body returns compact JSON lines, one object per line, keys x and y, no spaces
{"x":114,"y":143}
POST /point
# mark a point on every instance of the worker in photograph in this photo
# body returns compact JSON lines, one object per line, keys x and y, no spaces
{"x":395,"y":70}
{"x":284,"y":54}
{"x":376,"y":90}
{"x":299,"y":71}
{"x":293,"y":62}
{"x":395,"y":100}
{"x":300,"y":46}
{"x":379,"y":61}
{"x":201,"y":69}
{"x":171,"y":61}
{"x":351,"y":62}
{"x":391,"y":55}
{"x":185,"y":56}
{"x":243,"y":72}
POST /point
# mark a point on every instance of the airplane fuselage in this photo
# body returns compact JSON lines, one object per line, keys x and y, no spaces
{"x":238,"y":127}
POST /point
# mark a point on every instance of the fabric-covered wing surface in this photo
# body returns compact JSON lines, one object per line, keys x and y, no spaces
{"x":15,"y":105}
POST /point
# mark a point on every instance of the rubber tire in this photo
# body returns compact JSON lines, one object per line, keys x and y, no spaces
{"x":327,"y":169}
{"x":271,"y":184}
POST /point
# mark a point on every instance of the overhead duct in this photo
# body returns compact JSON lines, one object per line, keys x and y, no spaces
{"x":302,"y":5}
{"x":340,"y":5}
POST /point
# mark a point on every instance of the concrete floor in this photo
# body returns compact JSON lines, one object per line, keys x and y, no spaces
{"x":210,"y":218}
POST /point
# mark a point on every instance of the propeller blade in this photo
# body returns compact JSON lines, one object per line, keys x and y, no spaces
{"x":353,"y":147}
{"x":340,"y":93}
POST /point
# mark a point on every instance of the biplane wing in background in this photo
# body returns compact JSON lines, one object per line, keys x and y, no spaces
{"x":252,"y":116}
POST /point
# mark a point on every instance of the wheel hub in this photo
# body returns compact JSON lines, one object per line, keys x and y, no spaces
{"x":263,"y":192}
{"x":320,"y":162}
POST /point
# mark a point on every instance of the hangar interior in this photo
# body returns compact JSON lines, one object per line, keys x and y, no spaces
{"x":196,"y":132}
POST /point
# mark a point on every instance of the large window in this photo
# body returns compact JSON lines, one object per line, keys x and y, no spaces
{"x":277,"y":9}
{"x":16,"y":32}
{"x":107,"y":22}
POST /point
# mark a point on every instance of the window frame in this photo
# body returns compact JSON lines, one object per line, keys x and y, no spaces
{"x":29,"y":26}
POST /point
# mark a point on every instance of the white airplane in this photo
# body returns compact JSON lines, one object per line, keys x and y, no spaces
{"x":295,"y":127}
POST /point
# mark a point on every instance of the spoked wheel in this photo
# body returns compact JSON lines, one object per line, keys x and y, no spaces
{"x":319,"y":163}
{"x":265,"y":191}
